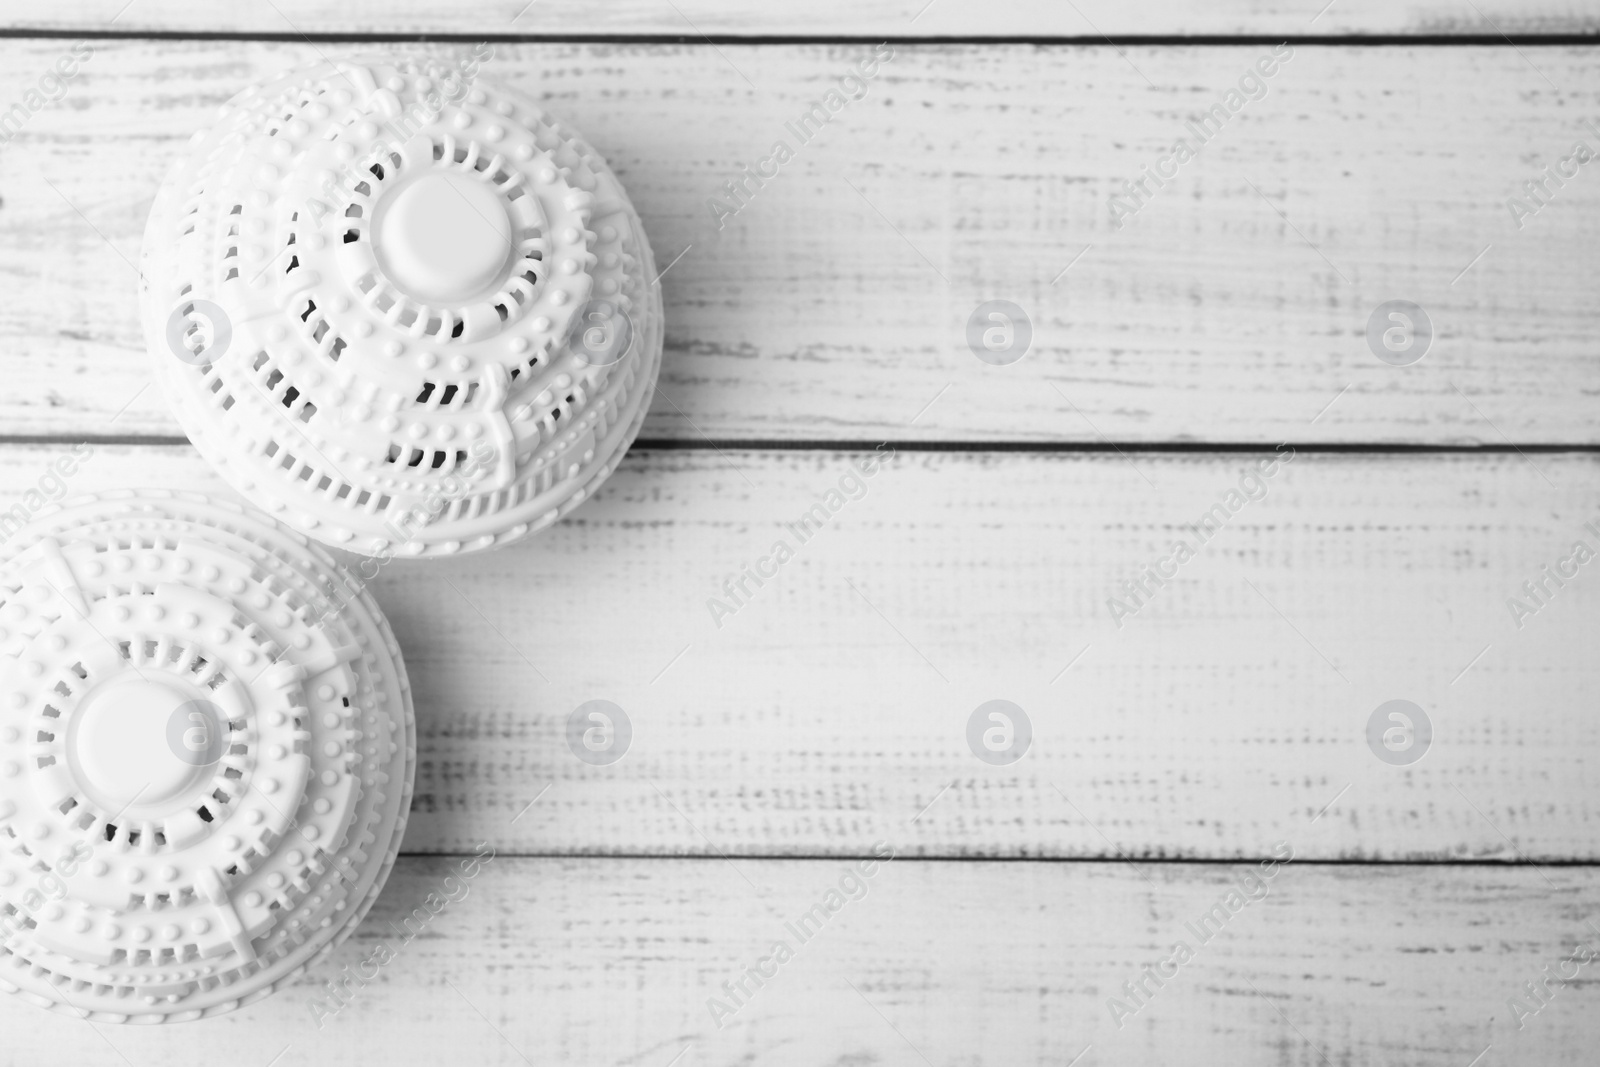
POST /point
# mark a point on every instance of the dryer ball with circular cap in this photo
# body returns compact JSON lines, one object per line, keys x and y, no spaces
{"x":401,"y":308}
{"x":206,"y":757}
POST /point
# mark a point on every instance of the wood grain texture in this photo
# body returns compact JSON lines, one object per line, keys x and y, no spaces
{"x":613,"y":961}
{"x":822,"y":18}
{"x":829,"y":713}
{"x":1232,"y":307}
{"x":831,"y":709}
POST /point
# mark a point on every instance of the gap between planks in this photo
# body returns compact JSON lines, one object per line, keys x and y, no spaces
{"x":1102,"y":861}
{"x":1091,"y":40}
{"x":865,"y":445}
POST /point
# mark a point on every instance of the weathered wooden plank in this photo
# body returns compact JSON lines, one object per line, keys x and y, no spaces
{"x":614,"y":961}
{"x":1232,"y":307}
{"x":833,"y":704}
{"x":874,"y":18}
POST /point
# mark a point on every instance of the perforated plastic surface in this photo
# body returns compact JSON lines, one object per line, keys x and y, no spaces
{"x":400,"y":307}
{"x":206,"y":757}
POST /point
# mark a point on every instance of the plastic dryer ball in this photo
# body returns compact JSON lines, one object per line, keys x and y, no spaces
{"x":238,"y":777}
{"x":410,"y":256}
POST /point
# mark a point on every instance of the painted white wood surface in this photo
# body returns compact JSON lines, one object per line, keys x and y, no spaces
{"x":598,"y":961}
{"x":829,"y":713}
{"x":832,"y":706}
{"x":1232,"y":307}
{"x":830,"y":18}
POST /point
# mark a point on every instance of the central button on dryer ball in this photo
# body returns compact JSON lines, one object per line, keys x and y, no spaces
{"x":121,"y":743}
{"x":443,"y":238}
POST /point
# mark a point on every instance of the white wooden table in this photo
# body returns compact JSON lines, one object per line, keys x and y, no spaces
{"x":1172,"y":753}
